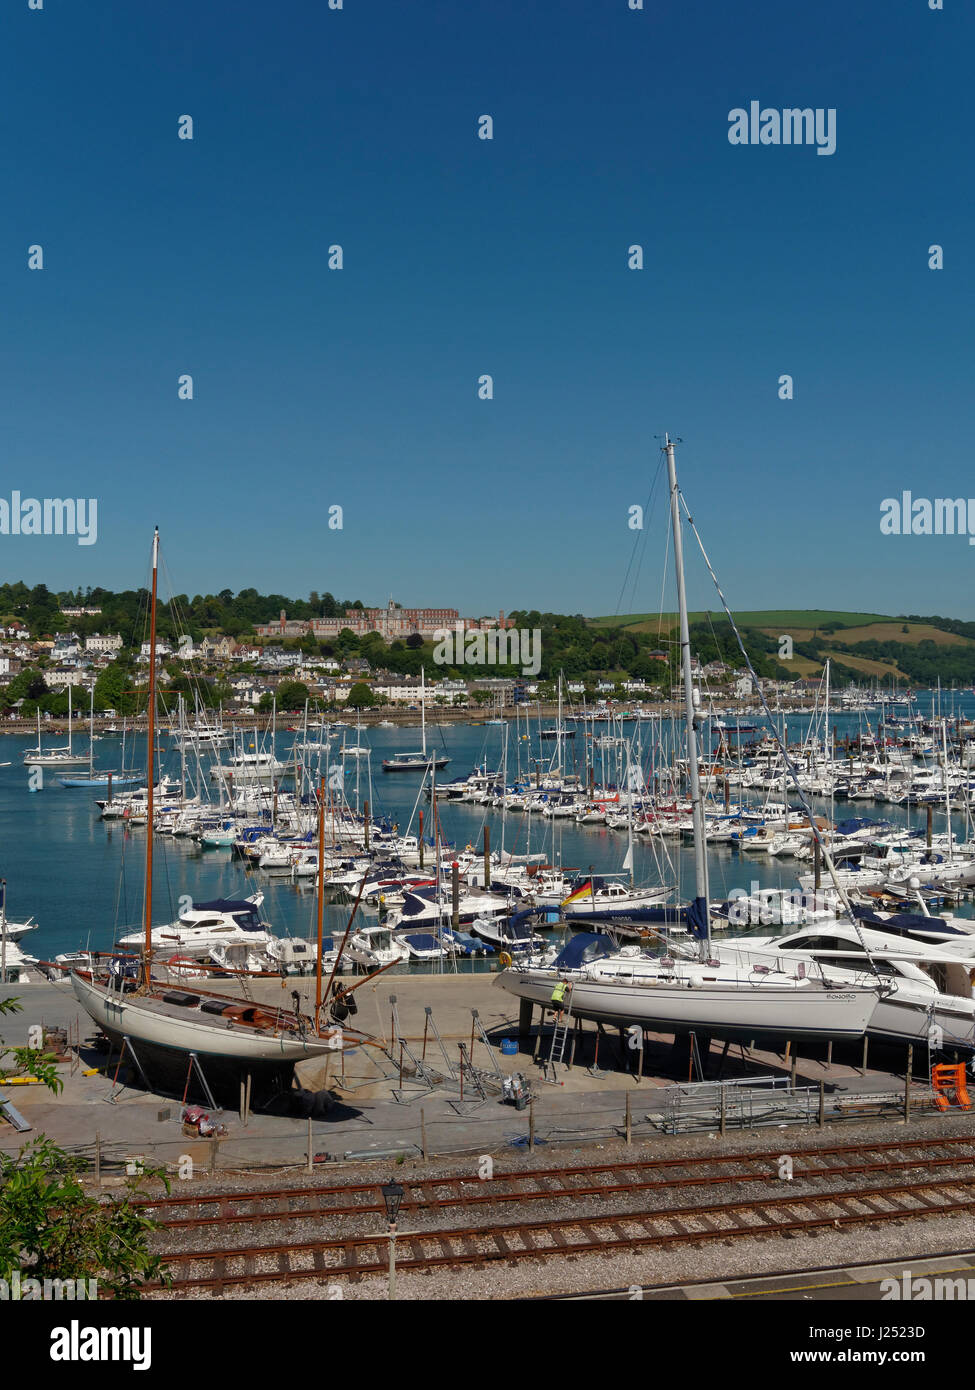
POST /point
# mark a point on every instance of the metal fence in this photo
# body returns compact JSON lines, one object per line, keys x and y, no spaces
{"x":750,"y":1104}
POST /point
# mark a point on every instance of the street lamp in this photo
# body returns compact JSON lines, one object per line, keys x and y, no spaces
{"x":392,"y":1195}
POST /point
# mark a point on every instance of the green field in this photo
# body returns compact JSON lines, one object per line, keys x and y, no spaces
{"x":779,"y":618}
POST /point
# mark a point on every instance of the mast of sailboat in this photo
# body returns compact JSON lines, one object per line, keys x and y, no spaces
{"x":423,"y":710}
{"x":147,"y":960}
{"x":91,"y":736}
{"x":321,"y":901}
{"x":700,"y":915}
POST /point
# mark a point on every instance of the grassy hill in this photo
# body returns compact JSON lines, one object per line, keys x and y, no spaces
{"x":869,"y":645}
{"x":783,"y":620}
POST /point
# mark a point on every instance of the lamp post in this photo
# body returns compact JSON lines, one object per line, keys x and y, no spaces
{"x":392,"y":1195}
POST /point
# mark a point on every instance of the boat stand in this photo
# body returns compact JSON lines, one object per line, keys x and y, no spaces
{"x":493,"y":1072}
{"x":476,"y":1094}
{"x":430,"y":1022}
{"x":127,"y":1044}
{"x":201,"y":1076}
{"x":423,"y":1077}
{"x":596,"y":1070}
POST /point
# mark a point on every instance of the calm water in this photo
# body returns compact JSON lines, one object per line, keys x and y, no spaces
{"x":82,"y":879}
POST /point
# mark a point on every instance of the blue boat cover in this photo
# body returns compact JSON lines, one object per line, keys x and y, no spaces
{"x":697,"y":918}
{"x":584,"y":946}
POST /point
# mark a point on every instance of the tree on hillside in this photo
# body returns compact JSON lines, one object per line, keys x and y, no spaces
{"x":292,"y":694}
{"x":360,"y":696}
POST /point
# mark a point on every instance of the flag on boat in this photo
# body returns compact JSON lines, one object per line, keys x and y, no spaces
{"x":582,"y":892}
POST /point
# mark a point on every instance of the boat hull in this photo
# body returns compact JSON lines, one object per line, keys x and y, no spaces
{"x":227,"y":1054}
{"x":736,"y":1013}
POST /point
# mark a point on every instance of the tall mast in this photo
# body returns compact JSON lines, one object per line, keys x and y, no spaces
{"x":700,"y":912}
{"x":152,"y":750}
{"x":321,"y":900}
{"x":423,"y":709}
{"x":91,"y":736}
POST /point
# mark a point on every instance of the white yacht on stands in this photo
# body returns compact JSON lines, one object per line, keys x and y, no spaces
{"x":715,"y":993}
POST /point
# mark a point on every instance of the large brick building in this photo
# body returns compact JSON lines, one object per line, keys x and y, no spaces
{"x":391,"y":622}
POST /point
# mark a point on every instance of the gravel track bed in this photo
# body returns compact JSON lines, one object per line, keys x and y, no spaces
{"x":714,"y":1260}
{"x":239,"y":1234}
{"x":500,"y":1279}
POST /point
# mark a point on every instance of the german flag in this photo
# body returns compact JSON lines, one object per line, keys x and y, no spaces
{"x":584,"y":892}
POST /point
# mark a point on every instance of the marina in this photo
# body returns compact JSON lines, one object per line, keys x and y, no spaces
{"x":660,"y":910}
{"x":487,"y":767}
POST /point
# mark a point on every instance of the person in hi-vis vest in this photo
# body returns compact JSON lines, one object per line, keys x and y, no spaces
{"x":559,"y":996}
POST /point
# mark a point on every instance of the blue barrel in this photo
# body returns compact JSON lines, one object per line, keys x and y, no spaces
{"x":509,"y":1047}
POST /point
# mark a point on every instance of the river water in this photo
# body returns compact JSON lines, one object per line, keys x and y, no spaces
{"x":82,"y":879}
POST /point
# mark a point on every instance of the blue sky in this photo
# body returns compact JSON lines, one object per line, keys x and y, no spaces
{"x":358,"y":387}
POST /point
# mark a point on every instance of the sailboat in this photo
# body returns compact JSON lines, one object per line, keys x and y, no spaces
{"x":168,"y":1030}
{"x":54,"y":757}
{"x":99,"y":779}
{"x":417,"y":762}
{"x":735,"y":995}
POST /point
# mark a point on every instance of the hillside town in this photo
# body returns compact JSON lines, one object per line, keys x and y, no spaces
{"x":288,"y":661}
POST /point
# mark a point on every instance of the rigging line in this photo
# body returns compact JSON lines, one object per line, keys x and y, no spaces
{"x":827,"y":857}
{"x":640,"y":538}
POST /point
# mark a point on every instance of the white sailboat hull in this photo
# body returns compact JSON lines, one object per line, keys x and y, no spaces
{"x":736,"y":1011}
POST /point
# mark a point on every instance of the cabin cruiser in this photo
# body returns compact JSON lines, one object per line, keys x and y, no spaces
{"x":509,"y":934}
{"x":249,"y":767}
{"x":422,"y":907}
{"x":929,"y":972}
{"x":374,"y":946}
{"x":14,"y":931}
{"x":423,"y":946}
{"x":204,"y":926}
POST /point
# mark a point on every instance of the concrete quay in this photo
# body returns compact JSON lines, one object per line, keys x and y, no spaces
{"x":375,"y":1111}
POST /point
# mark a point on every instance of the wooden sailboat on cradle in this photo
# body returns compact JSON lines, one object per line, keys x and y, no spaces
{"x":169,"y":1033}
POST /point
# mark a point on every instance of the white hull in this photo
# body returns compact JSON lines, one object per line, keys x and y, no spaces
{"x":742,"y":1011}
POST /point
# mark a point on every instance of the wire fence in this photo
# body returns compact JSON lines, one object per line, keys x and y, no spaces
{"x":417,"y":1133}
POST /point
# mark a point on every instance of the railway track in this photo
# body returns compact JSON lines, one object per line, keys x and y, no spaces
{"x":946,"y":1186}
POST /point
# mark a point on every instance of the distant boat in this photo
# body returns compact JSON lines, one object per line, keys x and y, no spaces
{"x":99,"y":779}
{"x":54,"y":757}
{"x":422,"y":761}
